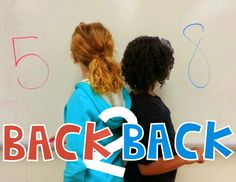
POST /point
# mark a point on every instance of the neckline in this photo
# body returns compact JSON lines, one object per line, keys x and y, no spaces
{"x":97,"y":97}
{"x":144,"y":93}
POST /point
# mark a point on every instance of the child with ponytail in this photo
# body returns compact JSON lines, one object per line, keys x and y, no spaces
{"x":92,"y":49}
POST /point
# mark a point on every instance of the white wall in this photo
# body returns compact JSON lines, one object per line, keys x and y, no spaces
{"x":217,"y":171}
{"x":126,"y":20}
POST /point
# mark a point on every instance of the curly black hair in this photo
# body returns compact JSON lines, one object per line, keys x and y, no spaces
{"x":147,"y":60}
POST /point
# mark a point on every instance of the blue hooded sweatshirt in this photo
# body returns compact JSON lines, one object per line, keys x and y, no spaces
{"x":85,"y":105}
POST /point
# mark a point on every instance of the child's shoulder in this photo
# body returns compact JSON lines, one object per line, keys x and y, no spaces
{"x":78,"y":95}
{"x":145,"y":103}
{"x":146,"y":99}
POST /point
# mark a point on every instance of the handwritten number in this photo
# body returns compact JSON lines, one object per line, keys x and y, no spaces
{"x":197,"y":49}
{"x":24,"y":57}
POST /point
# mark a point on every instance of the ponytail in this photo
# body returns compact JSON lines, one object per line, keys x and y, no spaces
{"x":92,"y":46}
{"x":105,"y":75}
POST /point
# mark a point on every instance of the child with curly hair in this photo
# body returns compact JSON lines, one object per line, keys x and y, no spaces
{"x":147,"y":62}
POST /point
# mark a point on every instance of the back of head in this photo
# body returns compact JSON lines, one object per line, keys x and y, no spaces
{"x":92,"y":45}
{"x":147,"y":60}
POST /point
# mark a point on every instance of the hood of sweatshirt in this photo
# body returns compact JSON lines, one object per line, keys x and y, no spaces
{"x":105,"y":101}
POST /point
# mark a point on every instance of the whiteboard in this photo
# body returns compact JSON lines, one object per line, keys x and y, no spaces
{"x":37,"y":75}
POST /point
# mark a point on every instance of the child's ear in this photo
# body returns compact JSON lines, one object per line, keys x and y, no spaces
{"x":72,"y":57}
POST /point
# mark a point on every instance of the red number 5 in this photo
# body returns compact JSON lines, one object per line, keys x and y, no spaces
{"x":24,"y":57}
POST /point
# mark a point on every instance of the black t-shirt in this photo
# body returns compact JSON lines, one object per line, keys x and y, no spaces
{"x":150,"y":109}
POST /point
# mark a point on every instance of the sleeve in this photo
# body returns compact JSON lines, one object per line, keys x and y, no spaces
{"x":77,"y":111}
{"x":149,"y":112}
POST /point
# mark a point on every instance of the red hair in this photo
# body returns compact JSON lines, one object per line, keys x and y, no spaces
{"x":92,"y":45}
